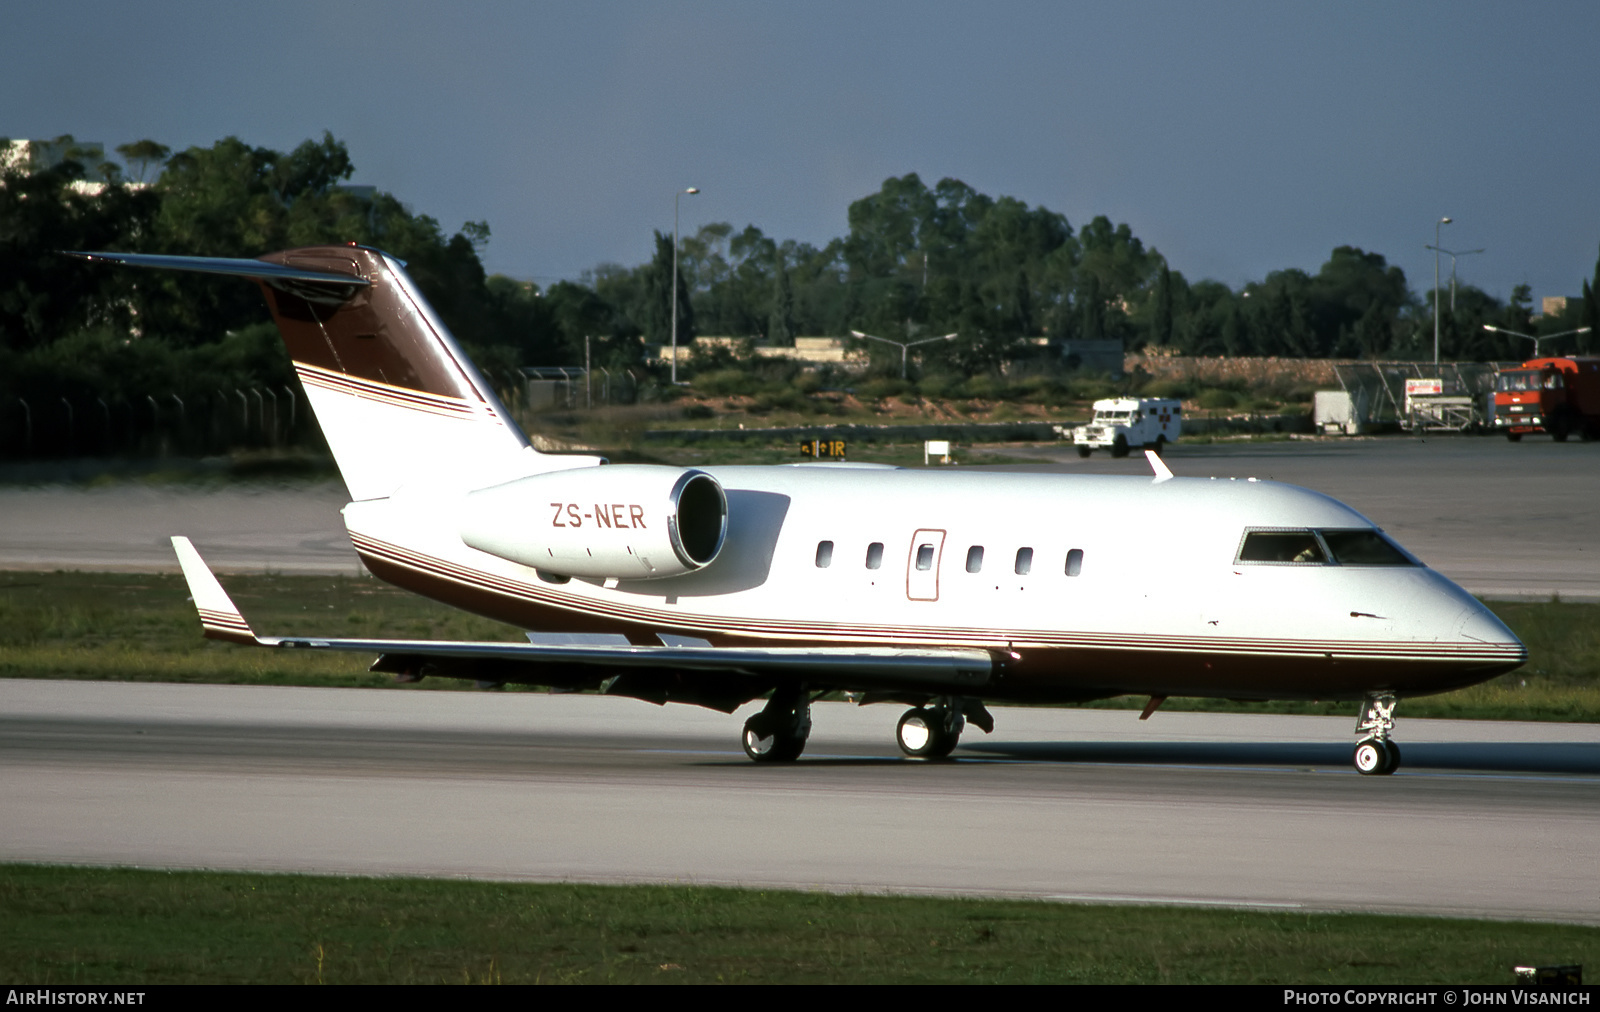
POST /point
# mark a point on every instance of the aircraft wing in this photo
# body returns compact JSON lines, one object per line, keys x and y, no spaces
{"x":587,"y":662}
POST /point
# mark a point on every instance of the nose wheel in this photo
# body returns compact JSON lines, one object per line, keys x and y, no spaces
{"x":1375,"y":754}
{"x":1377,"y":758}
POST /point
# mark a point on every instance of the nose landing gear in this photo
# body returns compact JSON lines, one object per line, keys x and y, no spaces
{"x":1375,"y":754}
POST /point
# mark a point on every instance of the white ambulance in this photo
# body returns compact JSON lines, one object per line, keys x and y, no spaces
{"x":1123,"y":423}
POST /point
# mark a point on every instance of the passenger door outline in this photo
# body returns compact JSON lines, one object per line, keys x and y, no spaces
{"x":923,"y":584}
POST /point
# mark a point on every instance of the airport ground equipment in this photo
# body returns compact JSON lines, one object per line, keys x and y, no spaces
{"x":1124,"y":423}
{"x":1412,"y":396}
{"x":1560,"y":396}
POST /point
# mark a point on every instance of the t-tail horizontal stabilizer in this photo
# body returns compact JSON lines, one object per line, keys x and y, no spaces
{"x":397,"y":399}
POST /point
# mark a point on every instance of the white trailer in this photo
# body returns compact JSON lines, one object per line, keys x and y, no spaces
{"x":1123,"y":423}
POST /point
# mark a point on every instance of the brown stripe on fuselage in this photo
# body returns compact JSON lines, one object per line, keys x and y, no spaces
{"x":812,"y":631}
{"x":1041,"y":674}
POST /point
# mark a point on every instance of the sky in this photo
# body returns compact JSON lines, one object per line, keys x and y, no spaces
{"x":1237,"y":138}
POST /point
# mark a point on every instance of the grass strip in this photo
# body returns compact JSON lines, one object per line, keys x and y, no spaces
{"x":140,"y":627}
{"x":95,"y":925}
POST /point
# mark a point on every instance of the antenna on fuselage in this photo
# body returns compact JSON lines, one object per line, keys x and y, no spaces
{"x":1159,"y":466}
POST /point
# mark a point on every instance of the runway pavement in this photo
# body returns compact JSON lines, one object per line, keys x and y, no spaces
{"x":1485,"y":819}
{"x":1503,"y":520}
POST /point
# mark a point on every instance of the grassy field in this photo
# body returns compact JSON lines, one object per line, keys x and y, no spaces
{"x":140,"y":627}
{"x":83,"y":926}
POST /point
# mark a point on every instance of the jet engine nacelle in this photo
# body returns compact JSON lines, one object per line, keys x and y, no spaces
{"x":618,"y":521}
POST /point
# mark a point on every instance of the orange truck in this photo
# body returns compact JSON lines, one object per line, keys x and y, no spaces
{"x":1555,"y":395}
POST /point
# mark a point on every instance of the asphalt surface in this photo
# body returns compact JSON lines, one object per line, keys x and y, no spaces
{"x":1484,"y":819}
{"x":1504,"y":520}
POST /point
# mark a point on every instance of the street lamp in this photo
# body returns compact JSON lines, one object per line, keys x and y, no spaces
{"x":1452,"y":254}
{"x":904,"y":346}
{"x":674,"y":280}
{"x":1441,"y":221}
{"x":1536,"y":340}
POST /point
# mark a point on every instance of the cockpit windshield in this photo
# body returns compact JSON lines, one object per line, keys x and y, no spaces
{"x":1357,"y":547}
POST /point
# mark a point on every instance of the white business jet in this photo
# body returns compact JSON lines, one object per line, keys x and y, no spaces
{"x":935,"y":589}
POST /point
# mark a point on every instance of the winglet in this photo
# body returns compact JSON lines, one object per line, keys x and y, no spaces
{"x":1159,"y":466}
{"x":218,"y":615}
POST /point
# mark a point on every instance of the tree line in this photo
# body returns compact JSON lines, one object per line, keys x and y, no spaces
{"x":917,"y":261}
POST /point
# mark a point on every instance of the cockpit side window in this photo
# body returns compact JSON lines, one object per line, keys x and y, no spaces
{"x":1364,"y":548}
{"x":1282,"y":547}
{"x":1361,"y":546}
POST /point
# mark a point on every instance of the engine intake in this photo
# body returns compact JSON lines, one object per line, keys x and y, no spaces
{"x":620,"y":521}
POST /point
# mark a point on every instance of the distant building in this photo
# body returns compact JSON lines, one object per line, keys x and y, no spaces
{"x":1553,"y":305}
{"x":811,"y":350}
{"x":1093,"y":356}
{"x":41,"y":156}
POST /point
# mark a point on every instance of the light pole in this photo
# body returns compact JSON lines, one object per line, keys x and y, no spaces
{"x":1536,"y":340}
{"x":1437,"y":224}
{"x":1452,"y":254}
{"x":905,"y":347}
{"x":674,"y":279}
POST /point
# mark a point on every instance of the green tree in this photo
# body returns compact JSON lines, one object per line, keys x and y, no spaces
{"x":1161,"y":324}
{"x":780,"y":330}
{"x":144,"y":154}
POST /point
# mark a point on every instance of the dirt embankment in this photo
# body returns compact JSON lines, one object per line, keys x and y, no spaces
{"x":1253,"y":372}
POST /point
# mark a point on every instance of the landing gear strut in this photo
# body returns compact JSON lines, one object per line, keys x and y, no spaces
{"x":932,"y":731}
{"x":778,"y":733}
{"x":1375,"y":754}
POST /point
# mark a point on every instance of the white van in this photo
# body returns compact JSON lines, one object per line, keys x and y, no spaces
{"x":1123,"y":423}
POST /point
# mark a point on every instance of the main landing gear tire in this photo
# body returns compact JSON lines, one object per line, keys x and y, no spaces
{"x":926,"y":734}
{"x":772,"y":741}
{"x":1375,"y":758}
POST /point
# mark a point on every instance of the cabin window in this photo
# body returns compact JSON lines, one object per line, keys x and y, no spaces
{"x":975,"y":559}
{"x":1075,"y":562}
{"x":875,"y":555}
{"x":924,"y":558}
{"x":1364,"y":548}
{"x":1024,"y":561}
{"x":1292,"y":547}
{"x":824,"y":554}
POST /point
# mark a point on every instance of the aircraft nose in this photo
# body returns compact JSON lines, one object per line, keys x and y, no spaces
{"x":1480,"y":625}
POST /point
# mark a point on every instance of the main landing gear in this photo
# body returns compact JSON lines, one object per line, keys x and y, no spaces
{"x":778,"y":733}
{"x":932,"y":730}
{"x":1375,"y":754}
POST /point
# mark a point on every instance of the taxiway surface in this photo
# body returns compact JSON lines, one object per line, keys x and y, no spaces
{"x":1485,"y":819}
